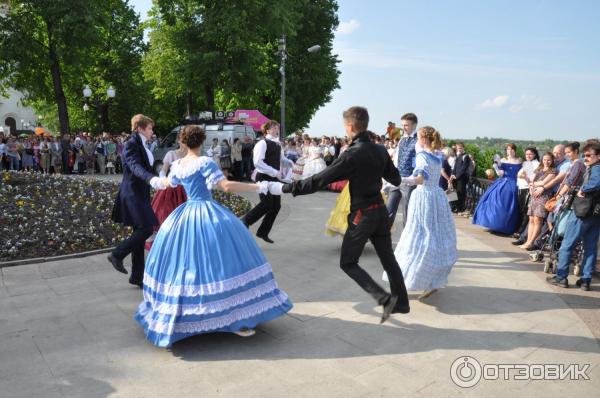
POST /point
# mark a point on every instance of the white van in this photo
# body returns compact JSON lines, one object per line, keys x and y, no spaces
{"x":222,"y":131}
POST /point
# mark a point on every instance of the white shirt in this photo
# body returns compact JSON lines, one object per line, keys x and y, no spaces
{"x":260,"y":149}
{"x":150,"y":156}
{"x":2,"y":149}
{"x":528,"y":168}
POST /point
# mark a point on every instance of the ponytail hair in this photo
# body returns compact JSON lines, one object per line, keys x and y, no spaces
{"x":573,"y":146}
{"x":433,"y":136}
{"x":265,"y":127}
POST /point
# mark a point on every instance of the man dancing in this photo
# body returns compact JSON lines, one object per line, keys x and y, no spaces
{"x":364,"y":164}
{"x":132,"y":205}
{"x":268,"y":157}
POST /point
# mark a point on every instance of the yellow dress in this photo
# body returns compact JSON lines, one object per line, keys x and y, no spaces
{"x":338,"y":219}
{"x":337,"y":224}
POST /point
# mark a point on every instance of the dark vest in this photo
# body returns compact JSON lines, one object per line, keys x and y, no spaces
{"x":273,"y":154}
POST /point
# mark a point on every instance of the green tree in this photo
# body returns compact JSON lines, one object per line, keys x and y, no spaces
{"x":206,"y":55}
{"x":56,"y":47}
{"x":38,"y":40}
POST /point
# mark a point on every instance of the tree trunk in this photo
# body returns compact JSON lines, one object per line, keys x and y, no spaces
{"x":59,"y":94}
{"x":210,"y":96}
{"x":188,"y":103}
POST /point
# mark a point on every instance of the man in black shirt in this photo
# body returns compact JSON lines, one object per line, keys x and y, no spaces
{"x":364,"y":164}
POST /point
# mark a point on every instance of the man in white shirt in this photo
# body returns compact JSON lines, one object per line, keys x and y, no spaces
{"x":267,"y":157}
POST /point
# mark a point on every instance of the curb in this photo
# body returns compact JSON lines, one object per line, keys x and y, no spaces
{"x":36,"y":260}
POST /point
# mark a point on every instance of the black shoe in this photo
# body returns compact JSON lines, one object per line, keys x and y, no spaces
{"x":139,"y":284}
{"x":518,"y":242}
{"x":583,"y":284}
{"x":265,"y":238}
{"x":117,"y":264}
{"x":553,"y":280}
{"x":405,"y":309}
{"x":532,"y":248}
{"x":388,"y":308}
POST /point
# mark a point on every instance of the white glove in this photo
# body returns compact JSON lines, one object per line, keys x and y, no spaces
{"x":275,"y":188}
{"x":407,"y":181}
{"x":262,"y":187}
{"x":157,"y":183}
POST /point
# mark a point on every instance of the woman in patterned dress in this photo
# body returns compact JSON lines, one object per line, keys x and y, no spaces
{"x":426,"y":251}
{"x":537,"y":212}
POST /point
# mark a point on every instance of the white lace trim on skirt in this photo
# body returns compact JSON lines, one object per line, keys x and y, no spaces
{"x":211,"y":307}
{"x":207,"y":288}
{"x":219,"y":322}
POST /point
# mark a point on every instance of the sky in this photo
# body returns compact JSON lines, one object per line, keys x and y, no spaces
{"x":494,"y":68}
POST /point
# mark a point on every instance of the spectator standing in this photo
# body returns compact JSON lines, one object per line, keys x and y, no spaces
{"x":111,"y":155}
{"x":2,"y":152}
{"x":56,"y":155}
{"x":247,"y":165}
{"x":584,"y":226}
{"x":12,"y":153}
{"x":461,"y":175}
{"x":89,"y":149}
{"x":27,"y":155}
{"x":225,"y":158}
{"x":537,"y":212}
{"x":101,"y":155}
{"x":45,"y":155}
{"x":524,"y":179}
{"x":236,"y":157}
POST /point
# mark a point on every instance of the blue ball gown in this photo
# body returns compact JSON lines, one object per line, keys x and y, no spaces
{"x":426,"y":250}
{"x":205,"y":273}
{"x":498,"y":208}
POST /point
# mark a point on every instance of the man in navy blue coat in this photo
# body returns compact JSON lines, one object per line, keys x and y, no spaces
{"x":133,"y":203}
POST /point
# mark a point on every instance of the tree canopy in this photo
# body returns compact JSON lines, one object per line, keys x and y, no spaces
{"x":200,"y":55}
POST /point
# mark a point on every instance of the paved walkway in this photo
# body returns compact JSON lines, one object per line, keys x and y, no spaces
{"x":66,"y":329}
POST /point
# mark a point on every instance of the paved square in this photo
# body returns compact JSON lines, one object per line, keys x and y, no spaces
{"x":67,"y":328}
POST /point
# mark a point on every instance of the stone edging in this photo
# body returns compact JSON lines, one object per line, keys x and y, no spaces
{"x":26,"y":261}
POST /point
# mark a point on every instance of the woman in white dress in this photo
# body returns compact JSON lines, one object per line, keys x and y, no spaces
{"x":426,"y":251}
{"x":315,"y":163}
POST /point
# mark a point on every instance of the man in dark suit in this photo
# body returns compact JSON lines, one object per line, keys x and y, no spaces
{"x":364,"y":164}
{"x":460,"y":176}
{"x":133,"y":204}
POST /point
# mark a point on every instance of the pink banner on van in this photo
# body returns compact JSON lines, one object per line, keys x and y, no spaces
{"x":251,"y":118}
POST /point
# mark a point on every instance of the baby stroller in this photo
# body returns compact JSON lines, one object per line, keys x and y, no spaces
{"x":552,"y":241}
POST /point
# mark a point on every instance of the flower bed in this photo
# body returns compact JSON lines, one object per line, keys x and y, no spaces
{"x":45,"y":216}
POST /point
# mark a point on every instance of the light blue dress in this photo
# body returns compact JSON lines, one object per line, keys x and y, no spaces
{"x":426,"y":251}
{"x":205,"y":273}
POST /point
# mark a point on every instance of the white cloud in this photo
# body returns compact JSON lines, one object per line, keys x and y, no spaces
{"x":345,"y":28}
{"x":496,"y":102}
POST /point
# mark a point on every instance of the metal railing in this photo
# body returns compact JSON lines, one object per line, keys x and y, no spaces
{"x":475,"y":189}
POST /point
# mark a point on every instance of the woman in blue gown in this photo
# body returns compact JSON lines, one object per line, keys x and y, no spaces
{"x":498,"y":208}
{"x":205,"y":273}
{"x":426,"y":250}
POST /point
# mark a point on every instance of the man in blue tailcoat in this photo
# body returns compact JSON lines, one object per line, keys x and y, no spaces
{"x":133,"y":203}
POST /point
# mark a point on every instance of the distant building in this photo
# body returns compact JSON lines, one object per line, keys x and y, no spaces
{"x":13,"y":115}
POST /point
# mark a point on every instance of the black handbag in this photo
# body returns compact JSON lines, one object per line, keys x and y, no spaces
{"x":589,"y":205}
{"x":583,"y":207}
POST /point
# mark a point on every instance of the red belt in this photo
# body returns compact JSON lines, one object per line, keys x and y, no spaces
{"x":359,"y":213}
